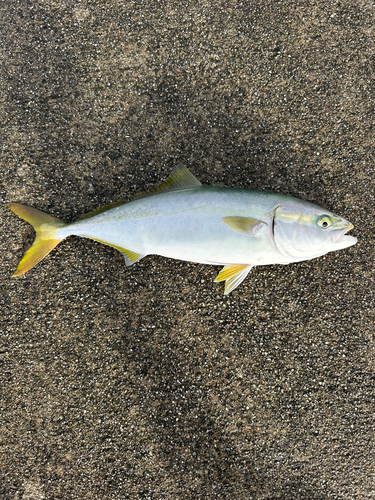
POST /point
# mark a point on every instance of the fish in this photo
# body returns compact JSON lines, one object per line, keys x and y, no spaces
{"x":185,"y":220}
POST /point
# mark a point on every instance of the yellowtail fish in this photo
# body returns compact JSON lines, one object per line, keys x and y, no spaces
{"x":181,"y":219}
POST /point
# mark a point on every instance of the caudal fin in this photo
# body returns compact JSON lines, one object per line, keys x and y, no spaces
{"x":45,"y":227}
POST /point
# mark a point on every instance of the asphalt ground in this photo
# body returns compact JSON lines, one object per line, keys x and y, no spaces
{"x":145,"y":382}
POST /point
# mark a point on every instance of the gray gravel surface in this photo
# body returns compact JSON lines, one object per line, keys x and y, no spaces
{"x":145,"y":382}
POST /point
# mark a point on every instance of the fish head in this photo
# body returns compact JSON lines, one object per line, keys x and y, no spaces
{"x":303,"y":231}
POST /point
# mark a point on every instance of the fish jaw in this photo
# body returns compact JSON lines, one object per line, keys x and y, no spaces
{"x":342,"y":240}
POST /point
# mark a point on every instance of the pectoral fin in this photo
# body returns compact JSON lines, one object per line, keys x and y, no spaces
{"x":246,"y":225}
{"x":233,"y":275}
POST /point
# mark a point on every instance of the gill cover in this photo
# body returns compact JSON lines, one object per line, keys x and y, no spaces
{"x":304,"y":231}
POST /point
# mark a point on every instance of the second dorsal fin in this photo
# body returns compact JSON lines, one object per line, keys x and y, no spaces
{"x":101,"y":209}
{"x":180,"y":178}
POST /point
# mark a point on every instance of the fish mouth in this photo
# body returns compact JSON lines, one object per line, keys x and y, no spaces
{"x":339,"y":237}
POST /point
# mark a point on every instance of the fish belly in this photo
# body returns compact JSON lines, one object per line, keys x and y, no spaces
{"x":204,"y":239}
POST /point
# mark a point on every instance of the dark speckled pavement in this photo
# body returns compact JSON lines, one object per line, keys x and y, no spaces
{"x":145,"y":382}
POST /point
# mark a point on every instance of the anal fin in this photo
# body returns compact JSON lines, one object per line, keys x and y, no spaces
{"x":233,"y":275}
{"x":129,"y":256}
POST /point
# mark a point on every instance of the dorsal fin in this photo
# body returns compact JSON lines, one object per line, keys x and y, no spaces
{"x":180,"y":178}
{"x":102,"y":209}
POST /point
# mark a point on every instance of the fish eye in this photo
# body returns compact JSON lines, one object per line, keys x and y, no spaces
{"x":324,"y":222}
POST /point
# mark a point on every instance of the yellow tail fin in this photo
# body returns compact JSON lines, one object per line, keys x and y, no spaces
{"x":45,"y":227}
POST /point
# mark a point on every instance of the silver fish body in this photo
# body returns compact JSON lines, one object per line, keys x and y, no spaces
{"x":187,"y":225}
{"x":236,"y":228}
